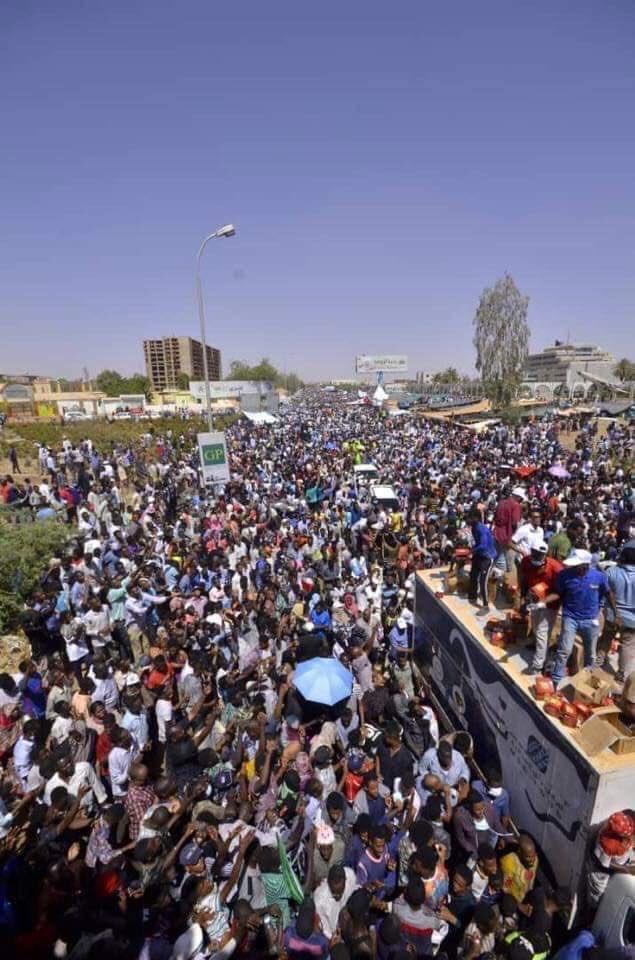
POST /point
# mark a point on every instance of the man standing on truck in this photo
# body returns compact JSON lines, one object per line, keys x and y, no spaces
{"x":582,"y":591}
{"x":483,"y":556}
{"x":539,"y":571}
{"x":620,"y":615}
{"x":506,"y":520}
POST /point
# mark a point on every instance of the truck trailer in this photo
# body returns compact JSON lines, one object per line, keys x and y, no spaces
{"x":559,"y":793}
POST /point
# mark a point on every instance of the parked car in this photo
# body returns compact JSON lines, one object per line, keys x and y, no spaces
{"x":614,"y":923}
{"x":75,"y":415}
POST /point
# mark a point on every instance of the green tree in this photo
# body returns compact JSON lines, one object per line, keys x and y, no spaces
{"x":624,"y":369}
{"x":183,"y":380}
{"x":501,"y":338}
{"x":25,"y":550}
{"x":109,"y":382}
{"x":449,"y":375}
{"x":264,"y":370}
{"x":137,"y":383}
{"x":113,"y":384}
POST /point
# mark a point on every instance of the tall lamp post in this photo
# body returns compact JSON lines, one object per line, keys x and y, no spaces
{"x":229,"y":230}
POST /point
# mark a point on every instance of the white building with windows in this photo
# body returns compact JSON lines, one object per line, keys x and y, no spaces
{"x":567,"y":369}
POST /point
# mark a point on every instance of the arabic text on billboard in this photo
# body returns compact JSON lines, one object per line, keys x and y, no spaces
{"x":386,"y":363}
{"x":229,"y":389}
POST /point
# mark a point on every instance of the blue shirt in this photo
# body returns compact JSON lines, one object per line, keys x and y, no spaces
{"x":500,"y":803}
{"x":484,"y":545}
{"x":399,"y":639}
{"x":575,"y":949}
{"x":581,"y":596}
{"x":622,"y":582}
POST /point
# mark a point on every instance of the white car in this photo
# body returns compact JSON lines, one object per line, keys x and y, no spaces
{"x":384,"y":496}
{"x":363,"y":475}
{"x":75,"y":415}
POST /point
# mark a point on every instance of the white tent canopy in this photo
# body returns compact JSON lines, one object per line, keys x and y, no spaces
{"x":380,"y":394}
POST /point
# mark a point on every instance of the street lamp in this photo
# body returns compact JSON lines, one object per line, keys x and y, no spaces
{"x":229,"y":230}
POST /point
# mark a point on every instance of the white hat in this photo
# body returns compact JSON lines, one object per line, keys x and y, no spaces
{"x":132,"y":679}
{"x":578,"y":558}
{"x":539,"y":547}
{"x":401,"y":623}
{"x":519,"y":492}
{"x":407,"y":616}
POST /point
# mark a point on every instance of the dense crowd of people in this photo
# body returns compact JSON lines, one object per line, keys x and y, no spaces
{"x":167,"y":791}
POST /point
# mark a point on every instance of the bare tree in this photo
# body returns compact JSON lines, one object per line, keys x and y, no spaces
{"x":501,"y":338}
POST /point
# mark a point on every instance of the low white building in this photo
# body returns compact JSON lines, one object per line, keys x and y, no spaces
{"x":250,"y":395}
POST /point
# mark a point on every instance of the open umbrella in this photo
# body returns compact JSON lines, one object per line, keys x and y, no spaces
{"x":323,"y":680}
{"x":559,"y":472}
{"x":526,"y":470}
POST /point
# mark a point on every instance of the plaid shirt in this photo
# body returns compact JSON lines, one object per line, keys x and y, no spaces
{"x":137,"y":801}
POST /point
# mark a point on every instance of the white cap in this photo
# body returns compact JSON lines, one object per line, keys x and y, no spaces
{"x":540,"y":547}
{"x":578,"y":558}
{"x":519,"y":492}
{"x":132,"y":679}
{"x":401,"y":623}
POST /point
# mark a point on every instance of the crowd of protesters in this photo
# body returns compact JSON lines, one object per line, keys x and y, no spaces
{"x":166,"y":792}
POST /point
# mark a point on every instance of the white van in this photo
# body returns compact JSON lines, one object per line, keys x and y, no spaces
{"x":384,"y":496}
{"x":363,"y":475}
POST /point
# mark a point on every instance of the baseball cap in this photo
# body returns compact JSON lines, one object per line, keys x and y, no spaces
{"x":578,"y":558}
{"x":540,"y":548}
{"x":519,"y":492}
{"x":132,"y":679}
{"x":401,"y":623}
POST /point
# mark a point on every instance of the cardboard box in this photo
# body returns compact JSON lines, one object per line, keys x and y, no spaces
{"x":589,"y":686}
{"x":605,"y":731}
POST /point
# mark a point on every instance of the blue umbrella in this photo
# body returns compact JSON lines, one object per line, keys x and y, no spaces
{"x":323,"y":680}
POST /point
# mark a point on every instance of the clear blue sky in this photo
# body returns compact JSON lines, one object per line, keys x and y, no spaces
{"x":383,"y":162}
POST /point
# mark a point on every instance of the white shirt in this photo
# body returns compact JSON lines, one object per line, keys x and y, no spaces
{"x":137,"y":725}
{"x":106,"y":692}
{"x":61,"y":728}
{"x":98,"y":626}
{"x":327,"y":907}
{"x":22,"y":758}
{"x":119,"y":761}
{"x":83,"y":775}
{"x":163,"y":710}
{"x":527,"y":537}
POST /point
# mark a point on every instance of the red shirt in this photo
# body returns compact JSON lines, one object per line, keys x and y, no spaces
{"x":547,"y":573}
{"x":103,"y":746}
{"x":507,"y":517}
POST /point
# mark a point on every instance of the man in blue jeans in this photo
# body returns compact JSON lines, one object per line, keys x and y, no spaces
{"x":582,"y":591}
